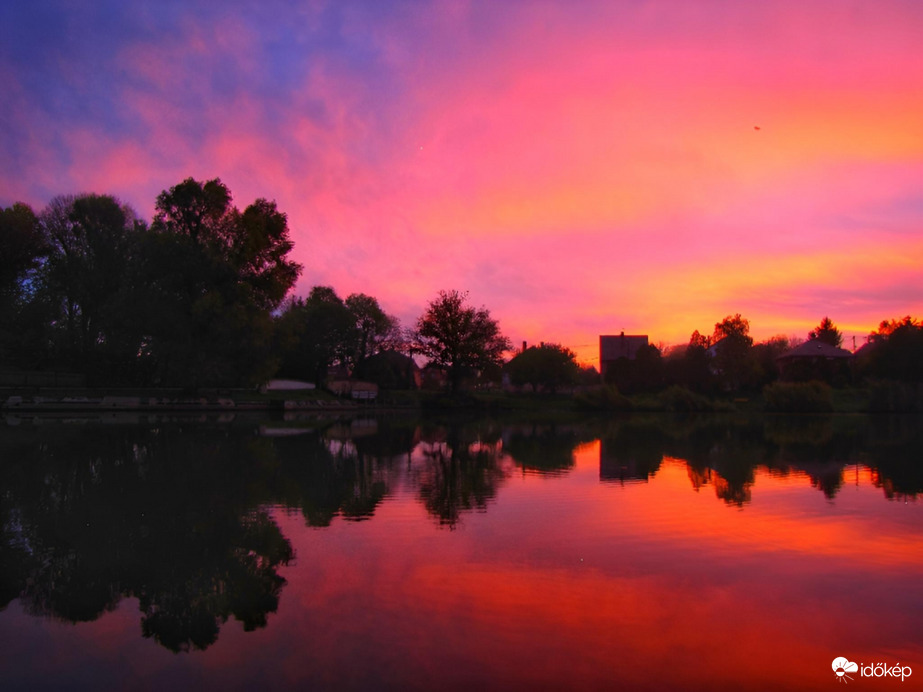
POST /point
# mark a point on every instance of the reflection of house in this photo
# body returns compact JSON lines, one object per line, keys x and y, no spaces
{"x":813,"y":358}
{"x":611,"y":348}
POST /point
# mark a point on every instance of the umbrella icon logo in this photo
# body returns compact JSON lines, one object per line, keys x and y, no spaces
{"x":842,"y":666}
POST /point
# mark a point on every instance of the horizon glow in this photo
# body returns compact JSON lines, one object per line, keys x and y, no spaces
{"x":641,"y":166}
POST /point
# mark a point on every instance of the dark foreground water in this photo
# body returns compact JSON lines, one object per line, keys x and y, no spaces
{"x":641,"y":553}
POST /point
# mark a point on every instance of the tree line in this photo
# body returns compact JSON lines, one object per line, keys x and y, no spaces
{"x":729,"y":360}
{"x":201,"y":296}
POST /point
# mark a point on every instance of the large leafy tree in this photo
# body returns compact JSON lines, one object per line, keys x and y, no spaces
{"x":547,"y":366}
{"x":315,"y":333}
{"x":375,"y":329}
{"x":22,"y":246}
{"x":693,"y":369}
{"x":732,"y":343}
{"x":197,"y":210}
{"x":459,"y":337}
{"x":251,"y":247}
{"x":23,"y":249}
{"x":827,"y":332}
{"x":215,"y":274}
{"x":88,"y":280}
{"x":898,"y":350}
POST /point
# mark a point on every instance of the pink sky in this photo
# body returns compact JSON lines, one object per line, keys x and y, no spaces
{"x":579,"y":168}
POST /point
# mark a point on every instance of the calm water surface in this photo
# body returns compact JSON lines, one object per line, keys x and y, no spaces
{"x":640,"y":553}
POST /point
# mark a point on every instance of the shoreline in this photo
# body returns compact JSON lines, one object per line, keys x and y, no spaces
{"x":57,"y":402}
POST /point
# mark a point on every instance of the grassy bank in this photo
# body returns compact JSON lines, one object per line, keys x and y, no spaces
{"x":785,"y":398}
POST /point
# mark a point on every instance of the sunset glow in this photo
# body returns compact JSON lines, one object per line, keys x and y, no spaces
{"x":579,"y":168}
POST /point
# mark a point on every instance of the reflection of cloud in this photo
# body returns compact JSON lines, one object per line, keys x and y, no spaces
{"x":579,"y":170}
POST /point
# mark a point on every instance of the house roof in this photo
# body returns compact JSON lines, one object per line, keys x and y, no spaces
{"x":620,"y":346}
{"x":866,"y":348}
{"x":815,"y":349}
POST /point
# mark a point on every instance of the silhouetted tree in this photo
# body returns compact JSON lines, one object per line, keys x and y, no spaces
{"x":215,"y":275}
{"x":732,"y":342}
{"x":588,"y":376}
{"x":699,"y":341}
{"x":88,"y":279}
{"x":375,"y":330}
{"x":23,"y":248}
{"x":319,"y":332}
{"x":827,"y":332}
{"x":548,"y":366}
{"x":897,"y":351}
{"x":459,"y":337}
{"x":764,"y":355}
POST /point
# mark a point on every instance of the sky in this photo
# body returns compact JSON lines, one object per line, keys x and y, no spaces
{"x":579,"y":168}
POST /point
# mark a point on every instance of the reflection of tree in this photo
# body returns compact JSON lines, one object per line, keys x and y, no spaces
{"x":542,"y":448}
{"x":895,"y":451}
{"x":826,"y":477}
{"x":163,"y":514}
{"x":171,"y":514}
{"x":337,"y":475}
{"x":631,"y":452}
{"x":718,"y":451}
{"x":461,"y":470}
{"x":820,"y":446}
{"x":240,"y":581}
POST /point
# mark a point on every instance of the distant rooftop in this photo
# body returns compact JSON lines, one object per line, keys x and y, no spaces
{"x":815,"y":349}
{"x":613,"y":347}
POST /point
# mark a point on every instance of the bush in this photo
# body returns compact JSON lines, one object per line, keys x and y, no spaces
{"x":605,"y":398}
{"x":798,"y":397}
{"x":888,"y":396}
{"x":681,"y":400}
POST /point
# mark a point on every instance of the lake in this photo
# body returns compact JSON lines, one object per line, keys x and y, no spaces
{"x":644,"y":552}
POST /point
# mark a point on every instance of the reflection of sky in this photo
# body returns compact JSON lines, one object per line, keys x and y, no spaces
{"x":563,"y":582}
{"x":581,"y":168}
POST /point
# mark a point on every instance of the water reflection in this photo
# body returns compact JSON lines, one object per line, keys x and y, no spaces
{"x":177,"y":514}
{"x":726,"y":452}
{"x":167,"y":515}
{"x":546,"y":447}
{"x":460,"y":468}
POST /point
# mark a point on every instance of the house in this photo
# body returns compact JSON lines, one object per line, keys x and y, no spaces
{"x":814,"y":360}
{"x":712,"y":349}
{"x":611,"y":348}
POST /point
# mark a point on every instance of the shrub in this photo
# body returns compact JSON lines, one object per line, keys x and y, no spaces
{"x":888,"y":396}
{"x":681,"y":400}
{"x":798,"y":397}
{"x":605,"y":398}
